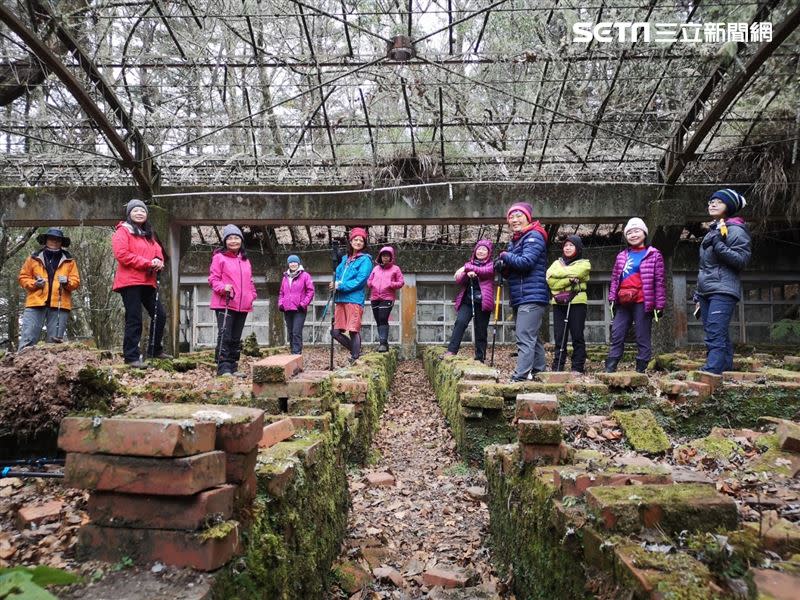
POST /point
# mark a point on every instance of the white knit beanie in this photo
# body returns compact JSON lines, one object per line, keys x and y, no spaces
{"x":635,"y":223}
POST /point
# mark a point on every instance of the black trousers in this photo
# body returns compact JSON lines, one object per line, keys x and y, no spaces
{"x":381,"y":309}
{"x":134,"y":297}
{"x":463,"y":317}
{"x":295,"y":319}
{"x":575,"y":325}
{"x":229,"y":340}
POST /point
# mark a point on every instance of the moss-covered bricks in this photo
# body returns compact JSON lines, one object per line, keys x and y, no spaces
{"x":642,"y":431}
{"x":297,"y":521}
{"x":372,"y":376}
{"x":525,"y":538}
{"x":553,"y":546}
{"x":671,"y":508}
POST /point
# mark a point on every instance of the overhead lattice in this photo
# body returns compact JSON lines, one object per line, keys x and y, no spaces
{"x":298,"y":92}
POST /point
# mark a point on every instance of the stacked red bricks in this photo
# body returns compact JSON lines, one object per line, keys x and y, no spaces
{"x":166,"y":481}
{"x":539,"y":430}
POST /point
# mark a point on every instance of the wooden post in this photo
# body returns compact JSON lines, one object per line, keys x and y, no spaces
{"x":408,"y":323}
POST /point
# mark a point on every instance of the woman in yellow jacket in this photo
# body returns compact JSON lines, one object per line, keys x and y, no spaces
{"x":49,"y":276}
{"x":567,"y":278}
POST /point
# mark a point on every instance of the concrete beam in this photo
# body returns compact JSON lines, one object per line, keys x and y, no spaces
{"x":479,"y":202}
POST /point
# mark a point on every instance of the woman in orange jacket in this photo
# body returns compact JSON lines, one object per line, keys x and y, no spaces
{"x":49,"y":276}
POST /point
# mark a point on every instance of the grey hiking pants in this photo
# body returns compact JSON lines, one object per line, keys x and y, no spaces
{"x":530,"y":349}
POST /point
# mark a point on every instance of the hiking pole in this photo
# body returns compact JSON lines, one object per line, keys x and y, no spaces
{"x":31,"y":461}
{"x":7,"y":472}
{"x":335,"y":263}
{"x":472,"y":298}
{"x":223,"y":329}
{"x":497,"y":298}
{"x":323,"y":316}
{"x":562,"y":348}
{"x":152,"y":341}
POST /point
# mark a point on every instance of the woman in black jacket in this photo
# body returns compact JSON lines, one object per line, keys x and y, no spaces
{"x":724,"y":253}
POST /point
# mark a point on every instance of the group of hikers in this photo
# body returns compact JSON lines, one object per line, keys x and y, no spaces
{"x":636,"y":296}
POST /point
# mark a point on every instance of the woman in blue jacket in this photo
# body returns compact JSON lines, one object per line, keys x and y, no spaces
{"x":350,"y":288}
{"x":524,"y":265}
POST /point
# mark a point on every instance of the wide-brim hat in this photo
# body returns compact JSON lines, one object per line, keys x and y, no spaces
{"x":53,"y":232}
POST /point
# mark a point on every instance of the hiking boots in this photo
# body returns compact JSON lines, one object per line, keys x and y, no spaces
{"x":611,"y":365}
{"x":641,"y":365}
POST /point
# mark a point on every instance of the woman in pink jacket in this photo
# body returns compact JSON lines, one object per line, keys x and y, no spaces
{"x":233,"y":292}
{"x":139,"y":260}
{"x":384,"y":281}
{"x":294,"y":298}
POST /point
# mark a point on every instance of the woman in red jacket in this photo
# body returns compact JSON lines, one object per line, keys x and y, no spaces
{"x":140,"y":259}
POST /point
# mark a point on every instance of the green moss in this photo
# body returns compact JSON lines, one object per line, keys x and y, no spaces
{"x":715,"y":446}
{"x":782,"y":375}
{"x":675,"y":576}
{"x":218,"y":531}
{"x":250,"y":346}
{"x":667,"y":362}
{"x":694,"y":507}
{"x":736,"y":406}
{"x":525,"y":540}
{"x":642,"y":431}
{"x":293,"y":539}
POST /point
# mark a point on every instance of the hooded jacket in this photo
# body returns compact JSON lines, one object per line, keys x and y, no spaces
{"x":352,"y":274}
{"x":525,"y":267}
{"x":722,"y":259}
{"x":134,"y":254}
{"x":229,"y":268}
{"x":385,"y":280}
{"x":296,"y":292}
{"x":653,"y":281}
{"x":485,"y":271}
{"x":34,"y":267}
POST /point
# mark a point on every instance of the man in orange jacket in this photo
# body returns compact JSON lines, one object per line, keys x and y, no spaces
{"x":49,"y":276}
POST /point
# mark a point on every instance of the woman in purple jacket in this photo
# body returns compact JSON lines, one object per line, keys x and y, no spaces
{"x":637,"y":294}
{"x":474,"y":299}
{"x":233,"y":292}
{"x":296,"y":294}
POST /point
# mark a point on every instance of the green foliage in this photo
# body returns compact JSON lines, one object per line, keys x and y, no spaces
{"x":27,"y":582}
{"x":786,"y":330}
{"x":125,"y":562}
{"x":459,"y":469}
{"x":250,"y":346}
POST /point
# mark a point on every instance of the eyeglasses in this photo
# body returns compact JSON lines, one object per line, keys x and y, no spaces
{"x":715,"y":201}
{"x":516,"y":215}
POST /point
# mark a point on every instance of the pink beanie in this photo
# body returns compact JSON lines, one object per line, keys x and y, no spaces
{"x":522,"y":207}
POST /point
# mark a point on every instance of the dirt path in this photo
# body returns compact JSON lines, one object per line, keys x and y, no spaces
{"x":432,"y":518}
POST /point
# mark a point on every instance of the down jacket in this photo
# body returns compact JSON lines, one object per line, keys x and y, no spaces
{"x":722,"y":259}
{"x":559,"y":274}
{"x":352,"y":274}
{"x":653,"y":281}
{"x":134,"y":254}
{"x":525,"y":262}
{"x":385,"y":280}
{"x":228,"y":268}
{"x":485,"y":273}
{"x":33,"y":267}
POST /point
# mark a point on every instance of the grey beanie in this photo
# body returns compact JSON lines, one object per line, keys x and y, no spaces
{"x":230,"y":230}
{"x":133,"y":204}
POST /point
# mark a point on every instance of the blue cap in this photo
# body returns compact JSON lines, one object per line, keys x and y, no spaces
{"x":293,"y":258}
